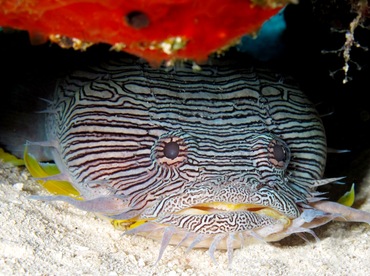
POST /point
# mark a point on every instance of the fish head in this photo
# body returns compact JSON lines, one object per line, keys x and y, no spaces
{"x":217,"y":153}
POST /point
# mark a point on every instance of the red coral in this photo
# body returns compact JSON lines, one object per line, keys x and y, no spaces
{"x":154,"y":29}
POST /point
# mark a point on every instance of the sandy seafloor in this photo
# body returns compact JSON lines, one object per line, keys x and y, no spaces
{"x":57,"y":239}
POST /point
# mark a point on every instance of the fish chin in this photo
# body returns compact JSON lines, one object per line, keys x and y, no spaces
{"x":212,"y":227}
{"x":205,"y":216}
{"x":227,"y":226}
{"x":206,"y":220}
{"x":225,"y":217}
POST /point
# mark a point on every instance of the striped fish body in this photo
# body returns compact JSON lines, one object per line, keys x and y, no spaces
{"x":210,"y":158}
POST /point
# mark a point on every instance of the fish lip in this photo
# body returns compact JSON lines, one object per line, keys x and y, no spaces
{"x":222,"y":207}
{"x":222,"y":199}
{"x":263,"y":221}
{"x":225,"y":207}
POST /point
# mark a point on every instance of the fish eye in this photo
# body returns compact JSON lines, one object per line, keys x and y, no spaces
{"x":279,"y":153}
{"x":171,"y":150}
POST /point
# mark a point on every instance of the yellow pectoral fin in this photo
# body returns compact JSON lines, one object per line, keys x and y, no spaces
{"x":348,"y":198}
{"x":58,"y":187}
{"x":50,"y":168}
{"x":33,"y":165}
{"x":9,"y":158}
{"x":40,"y":170}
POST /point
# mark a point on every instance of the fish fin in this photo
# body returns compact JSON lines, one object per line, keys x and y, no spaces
{"x":311,"y":217}
{"x":102,"y":205}
{"x":144,"y":227}
{"x":10,"y":158}
{"x":45,"y":170}
{"x":198,"y":238}
{"x":332,"y":150}
{"x":167,"y":235}
{"x":322,"y":182}
{"x":212,"y":248}
{"x":230,"y":247}
{"x":348,"y":198}
{"x":342,"y":212}
{"x":184,"y":238}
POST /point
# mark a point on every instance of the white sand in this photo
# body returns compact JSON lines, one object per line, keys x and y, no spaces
{"x":57,"y":239}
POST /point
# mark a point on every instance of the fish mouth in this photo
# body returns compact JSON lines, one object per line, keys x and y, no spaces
{"x":211,"y":225}
{"x":225,"y":207}
{"x":213,"y":210}
{"x":214,"y":218}
{"x":219,"y":217}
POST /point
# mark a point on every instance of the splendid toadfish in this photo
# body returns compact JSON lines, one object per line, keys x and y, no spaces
{"x":208,"y":158}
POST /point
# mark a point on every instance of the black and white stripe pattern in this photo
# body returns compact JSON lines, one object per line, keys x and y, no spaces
{"x":110,"y":121}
